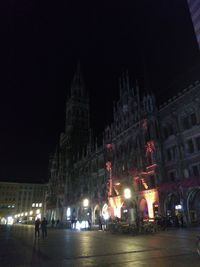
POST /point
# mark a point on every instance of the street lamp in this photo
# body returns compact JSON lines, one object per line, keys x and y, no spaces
{"x":85,"y":203}
{"x":127,"y":193}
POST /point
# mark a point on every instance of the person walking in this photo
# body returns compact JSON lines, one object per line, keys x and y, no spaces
{"x":52,"y":223}
{"x":57,"y":223}
{"x":100,"y":223}
{"x":37,"y":228}
{"x":44,"y":227}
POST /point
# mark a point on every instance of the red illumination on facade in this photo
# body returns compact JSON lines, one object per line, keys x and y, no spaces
{"x":150,"y":147}
{"x":144,"y":184}
{"x":109,"y":146}
{"x":108,"y":166}
{"x":151,"y":166}
{"x":109,"y":169}
{"x":147,"y":173}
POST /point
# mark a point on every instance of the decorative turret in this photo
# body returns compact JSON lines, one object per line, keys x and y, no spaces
{"x":149,"y":103}
{"x":77,"y":86}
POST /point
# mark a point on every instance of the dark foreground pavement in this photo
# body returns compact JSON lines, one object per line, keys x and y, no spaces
{"x":18,"y":248}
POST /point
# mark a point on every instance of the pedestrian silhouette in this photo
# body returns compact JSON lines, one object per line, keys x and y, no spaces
{"x":181,"y":220}
{"x":100,"y":223}
{"x":37,"y":228}
{"x":57,"y":223}
{"x":52,"y":223}
{"x":44,"y":227}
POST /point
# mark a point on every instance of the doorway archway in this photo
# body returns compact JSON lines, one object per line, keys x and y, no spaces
{"x":143,"y":208}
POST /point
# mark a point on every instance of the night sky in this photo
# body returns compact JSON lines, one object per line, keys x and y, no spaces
{"x":41,"y":43}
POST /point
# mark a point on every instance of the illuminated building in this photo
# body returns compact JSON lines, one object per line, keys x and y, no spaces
{"x":136,"y":153}
{"x":21,"y":200}
{"x":194,"y":7}
{"x":153,"y":152}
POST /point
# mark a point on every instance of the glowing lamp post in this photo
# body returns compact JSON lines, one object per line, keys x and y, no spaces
{"x":127,"y":193}
{"x":85,"y":203}
{"x":126,"y":211}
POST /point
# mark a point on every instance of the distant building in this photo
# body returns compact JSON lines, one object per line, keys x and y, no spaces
{"x":21,"y":202}
{"x":146,"y":165}
{"x":194,"y":6}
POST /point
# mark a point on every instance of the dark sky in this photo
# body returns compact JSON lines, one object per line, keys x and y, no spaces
{"x":41,"y":43}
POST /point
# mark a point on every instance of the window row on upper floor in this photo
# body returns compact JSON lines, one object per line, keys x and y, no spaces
{"x":186,"y":122}
{"x":192,"y":145}
{"x":192,"y":171}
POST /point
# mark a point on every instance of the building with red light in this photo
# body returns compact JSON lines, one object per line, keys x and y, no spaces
{"x":194,"y":7}
{"x":146,"y":165}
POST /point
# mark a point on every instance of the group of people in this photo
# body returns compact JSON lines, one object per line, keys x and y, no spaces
{"x":43,"y":225}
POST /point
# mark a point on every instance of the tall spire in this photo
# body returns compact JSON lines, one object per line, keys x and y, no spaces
{"x":77,"y":86}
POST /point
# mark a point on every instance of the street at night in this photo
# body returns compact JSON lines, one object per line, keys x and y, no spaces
{"x":63,"y":247}
{"x":100,"y":134}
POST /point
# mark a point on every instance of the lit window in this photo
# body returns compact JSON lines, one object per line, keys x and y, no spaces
{"x":36,"y":204}
{"x":33,"y":205}
{"x":40,"y":205}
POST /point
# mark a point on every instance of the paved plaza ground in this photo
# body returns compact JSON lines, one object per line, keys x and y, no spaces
{"x":62,"y":248}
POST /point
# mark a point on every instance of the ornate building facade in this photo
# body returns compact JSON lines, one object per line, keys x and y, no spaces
{"x":77,"y":168}
{"x":180,"y":126}
{"x":152,"y":153}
